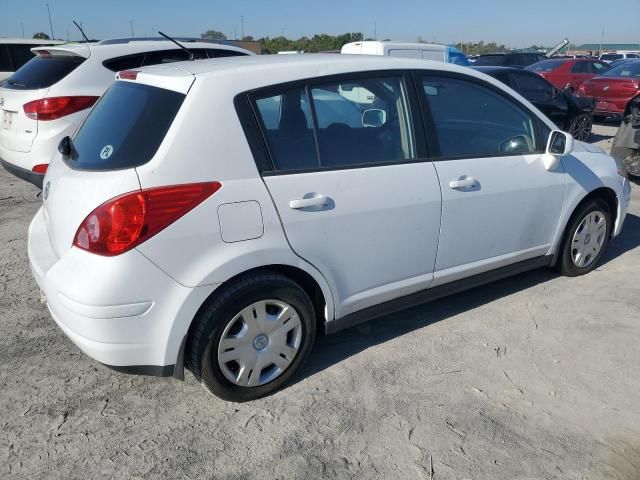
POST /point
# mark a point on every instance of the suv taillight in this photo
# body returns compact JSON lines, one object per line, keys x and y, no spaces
{"x":57,"y":107}
{"x":123,"y":222}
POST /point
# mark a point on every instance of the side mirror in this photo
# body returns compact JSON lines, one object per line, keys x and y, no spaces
{"x":558,"y":145}
{"x":374,"y":117}
{"x":65,"y":146}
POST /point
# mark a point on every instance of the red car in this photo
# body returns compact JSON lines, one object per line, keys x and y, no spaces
{"x":614,"y":90}
{"x":568,"y":72}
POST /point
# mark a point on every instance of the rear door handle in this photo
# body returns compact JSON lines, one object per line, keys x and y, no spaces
{"x":315,"y":201}
{"x":462,"y":183}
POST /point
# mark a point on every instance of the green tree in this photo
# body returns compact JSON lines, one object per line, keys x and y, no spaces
{"x":213,"y":35}
{"x":41,"y":36}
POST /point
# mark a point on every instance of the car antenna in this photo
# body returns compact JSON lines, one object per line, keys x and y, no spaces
{"x":179,"y":44}
{"x":81,"y":31}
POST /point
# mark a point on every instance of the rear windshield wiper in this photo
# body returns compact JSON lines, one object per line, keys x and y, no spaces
{"x":16,"y":83}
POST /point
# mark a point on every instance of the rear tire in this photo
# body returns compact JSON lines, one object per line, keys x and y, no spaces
{"x":231,"y":324}
{"x":585,"y":239}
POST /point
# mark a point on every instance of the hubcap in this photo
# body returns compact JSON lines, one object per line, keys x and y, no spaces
{"x":588,"y":239}
{"x":259,"y":343}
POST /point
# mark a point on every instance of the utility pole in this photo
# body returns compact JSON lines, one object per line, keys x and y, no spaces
{"x":235,"y":34}
{"x":242,"y":26}
{"x":22,"y":27}
{"x":67,"y":34}
{"x":131,"y":25}
{"x":375,"y":31}
{"x":50,"y":24}
{"x":601,"y":42}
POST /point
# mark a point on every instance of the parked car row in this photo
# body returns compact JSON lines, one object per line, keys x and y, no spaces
{"x":265,"y":198}
{"x":15,"y":52}
{"x":49,"y":97}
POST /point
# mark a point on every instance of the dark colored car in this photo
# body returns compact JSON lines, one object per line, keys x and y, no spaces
{"x":569,"y":72}
{"x":626,"y":143}
{"x":516,"y":60}
{"x":615,"y":89}
{"x":570,"y":113}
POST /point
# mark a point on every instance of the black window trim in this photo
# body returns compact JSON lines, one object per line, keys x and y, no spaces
{"x":430,"y":125}
{"x":254,"y":127}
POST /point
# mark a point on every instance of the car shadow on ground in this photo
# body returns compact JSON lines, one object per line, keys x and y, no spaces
{"x":332,"y":349}
{"x":595,"y":137}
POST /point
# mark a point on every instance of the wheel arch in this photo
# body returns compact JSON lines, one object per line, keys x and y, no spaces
{"x":607,"y":194}
{"x":312,"y":283}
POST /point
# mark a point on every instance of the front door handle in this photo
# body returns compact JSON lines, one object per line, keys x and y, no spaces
{"x":462,"y":183}
{"x":315,"y":201}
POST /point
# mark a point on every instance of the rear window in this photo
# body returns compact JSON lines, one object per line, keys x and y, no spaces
{"x":628,"y":69}
{"x":545,"y":65}
{"x":611,"y":56}
{"x":42,"y":72}
{"x":125,"y":128}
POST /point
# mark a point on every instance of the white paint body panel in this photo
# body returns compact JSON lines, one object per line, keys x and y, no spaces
{"x":391,"y":231}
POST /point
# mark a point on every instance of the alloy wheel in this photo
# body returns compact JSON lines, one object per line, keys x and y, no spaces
{"x":581,"y":127}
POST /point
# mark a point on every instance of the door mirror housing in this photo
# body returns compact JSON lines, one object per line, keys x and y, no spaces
{"x":558,"y":145}
{"x":374,"y":117}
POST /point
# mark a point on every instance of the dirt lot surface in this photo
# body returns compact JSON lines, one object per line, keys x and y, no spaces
{"x":536,"y":376}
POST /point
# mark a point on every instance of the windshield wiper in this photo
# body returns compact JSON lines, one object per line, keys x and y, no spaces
{"x":16,"y":83}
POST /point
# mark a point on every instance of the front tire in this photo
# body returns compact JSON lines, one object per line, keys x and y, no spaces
{"x":581,"y":127}
{"x":585,"y":239}
{"x":252,"y":336}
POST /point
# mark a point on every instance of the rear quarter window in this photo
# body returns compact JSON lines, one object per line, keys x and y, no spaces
{"x":125,"y":128}
{"x":42,"y":72}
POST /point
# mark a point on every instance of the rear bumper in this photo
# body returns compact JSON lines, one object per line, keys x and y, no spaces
{"x":122,"y":311}
{"x":23,"y":173}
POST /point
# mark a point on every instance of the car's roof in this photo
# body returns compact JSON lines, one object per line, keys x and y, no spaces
{"x":238,"y":74}
{"x":109,"y":49}
{"x":29,"y":41}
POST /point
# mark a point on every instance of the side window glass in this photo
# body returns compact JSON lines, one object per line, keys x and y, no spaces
{"x":599,"y":67}
{"x":581,"y":67}
{"x":364,"y":121}
{"x":472,"y":120}
{"x":166,"y":56}
{"x":532,"y":87}
{"x":219,"y":53}
{"x":287,"y":129}
{"x":124,"y":63}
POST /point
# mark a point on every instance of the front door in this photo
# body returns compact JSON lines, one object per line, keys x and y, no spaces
{"x":499,"y":204}
{"x":353,"y":199}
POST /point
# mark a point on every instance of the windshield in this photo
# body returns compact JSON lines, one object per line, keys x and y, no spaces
{"x":125,"y":128}
{"x":611,"y":56}
{"x":545,"y":65}
{"x":42,"y":72}
{"x":627,"y":69}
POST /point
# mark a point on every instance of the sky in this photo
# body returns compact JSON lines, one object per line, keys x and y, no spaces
{"x":515,"y":23}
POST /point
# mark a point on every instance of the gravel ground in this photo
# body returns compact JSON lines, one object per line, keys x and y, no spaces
{"x":531,"y":377}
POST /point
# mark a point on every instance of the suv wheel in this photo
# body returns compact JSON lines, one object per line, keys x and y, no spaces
{"x":586,"y":238}
{"x":252,"y":336}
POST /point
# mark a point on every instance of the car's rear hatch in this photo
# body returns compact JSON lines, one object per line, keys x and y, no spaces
{"x":30,"y":83}
{"x":124,"y":130}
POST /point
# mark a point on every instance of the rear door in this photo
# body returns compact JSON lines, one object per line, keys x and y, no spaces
{"x":354,"y":193}
{"x":543,"y":95}
{"x":499,"y":204}
{"x":123,"y":131}
{"x":580,"y":72}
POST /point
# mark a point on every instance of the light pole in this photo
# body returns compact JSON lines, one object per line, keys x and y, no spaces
{"x":22,"y":27}
{"x":131,"y":24}
{"x":242,"y":26}
{"x":50,"y":24}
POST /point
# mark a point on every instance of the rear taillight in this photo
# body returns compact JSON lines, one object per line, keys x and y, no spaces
{"x":130,"y":219}
{"x":57,"y":107}
{"x":40,"y":168}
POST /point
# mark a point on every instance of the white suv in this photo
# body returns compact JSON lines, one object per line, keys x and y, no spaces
{"x":217,"y":214}
{"x":49,"y":96}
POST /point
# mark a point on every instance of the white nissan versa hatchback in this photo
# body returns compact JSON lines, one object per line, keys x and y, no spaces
{"x":49,"y":96}
{"x":217,"y":214}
